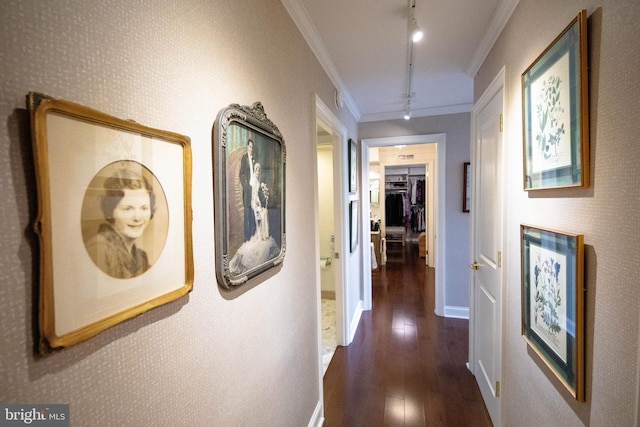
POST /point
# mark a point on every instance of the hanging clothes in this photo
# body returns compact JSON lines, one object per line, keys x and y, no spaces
{"x":418,"y":223}
{"x":397,"y":209}
{"x":416,"y":211}
{"x":416,"y":191}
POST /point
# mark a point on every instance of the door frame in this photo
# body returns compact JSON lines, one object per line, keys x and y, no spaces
{"x":325,"y":119}
{"x":499,"y":84}
{"x":439,"y":175}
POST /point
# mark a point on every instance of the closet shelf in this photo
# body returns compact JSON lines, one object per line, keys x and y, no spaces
{"x":396,"y":182}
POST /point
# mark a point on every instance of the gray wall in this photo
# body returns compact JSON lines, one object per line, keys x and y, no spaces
{"x":168,"y":64}
{"x":457,"y":129}
{"x":606,"y":213}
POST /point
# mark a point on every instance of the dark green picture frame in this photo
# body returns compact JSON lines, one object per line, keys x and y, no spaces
{"x":553,"y":302}
{"x":556,"y":112}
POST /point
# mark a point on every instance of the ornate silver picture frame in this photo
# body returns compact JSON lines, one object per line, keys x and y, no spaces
{"x":249,"y":158}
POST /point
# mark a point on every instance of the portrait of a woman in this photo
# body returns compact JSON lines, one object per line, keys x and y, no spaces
{"x":128,"y":204}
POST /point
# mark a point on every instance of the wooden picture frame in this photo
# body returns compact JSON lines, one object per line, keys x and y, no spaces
{"x":114,"y":219}
{"x":249,"y":157}
{"x":353,"y":166}
{"x":466,"y":187}
{"x":553,"y":302}
{"x":556,"y":112}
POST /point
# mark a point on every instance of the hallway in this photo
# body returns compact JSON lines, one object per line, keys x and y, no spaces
{"x":405,"y":366}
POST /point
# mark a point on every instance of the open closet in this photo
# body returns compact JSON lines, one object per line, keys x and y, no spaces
{"x":405,"y":200}
{"x":402,"y":197}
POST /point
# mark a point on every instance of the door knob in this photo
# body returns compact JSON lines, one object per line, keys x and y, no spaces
{"x":474,"y":265}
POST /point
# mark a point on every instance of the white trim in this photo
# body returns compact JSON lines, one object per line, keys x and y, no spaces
{"x":456,"y":312}
{"x":440,"y":140}
{"x":497,"y":24}
{"x":367,"y":299}
{"x":441,"y":235}
{"x":301,"y":18}
{"x":355,"y":320}
{"x":329,"y":120}
{"x":433,"y":138}
{"x":316,"y":220}
{"x":637,"y":402}
{"x":323,"y":116}
{"x":317,"y":419}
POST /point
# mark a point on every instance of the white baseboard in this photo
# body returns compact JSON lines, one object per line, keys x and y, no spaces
{"x":317,"y":419}
{"x":353,"y":327}
{"x":456,"y":312}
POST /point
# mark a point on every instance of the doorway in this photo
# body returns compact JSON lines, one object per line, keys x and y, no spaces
{"x":404,"y":197}
{"x":326,"y":238}
{"x":435,"y":205}
{"x":330,"y":228}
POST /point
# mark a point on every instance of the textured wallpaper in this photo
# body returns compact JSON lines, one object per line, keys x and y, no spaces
{"x":606,"y":213}
{"x":208,"y":358}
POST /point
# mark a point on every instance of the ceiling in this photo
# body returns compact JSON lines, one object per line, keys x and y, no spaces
{"x":363,"y":47}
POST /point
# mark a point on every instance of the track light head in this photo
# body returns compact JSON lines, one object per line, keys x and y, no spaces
{"x":416,"y":32}
{"x":407,"y":111}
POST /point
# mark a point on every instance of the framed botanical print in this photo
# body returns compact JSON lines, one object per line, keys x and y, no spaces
{"x":249,"y":158}
{"x":556,"y":112}
{"x":114,"y":218}
{"x":553,"y":302}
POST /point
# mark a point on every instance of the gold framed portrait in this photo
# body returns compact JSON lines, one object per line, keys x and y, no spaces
{"x":114,"y":219}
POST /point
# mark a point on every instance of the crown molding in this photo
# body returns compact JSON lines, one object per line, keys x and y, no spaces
{"x":301,"y":18}
{"x":498,"y":22}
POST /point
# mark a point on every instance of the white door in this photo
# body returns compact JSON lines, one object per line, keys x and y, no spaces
{"x":487,"y":251}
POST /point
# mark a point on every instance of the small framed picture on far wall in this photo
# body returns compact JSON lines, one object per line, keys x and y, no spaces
{"x":353,"y":225}
{"x":466,"y":188}
{"x":353,"y":166}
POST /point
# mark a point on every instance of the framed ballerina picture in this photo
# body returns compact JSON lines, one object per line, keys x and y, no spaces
{"x":249,"y":194}
{"x":114,"y":219}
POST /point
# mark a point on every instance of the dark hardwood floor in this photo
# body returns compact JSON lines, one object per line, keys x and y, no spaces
{"x":406,"y":366}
